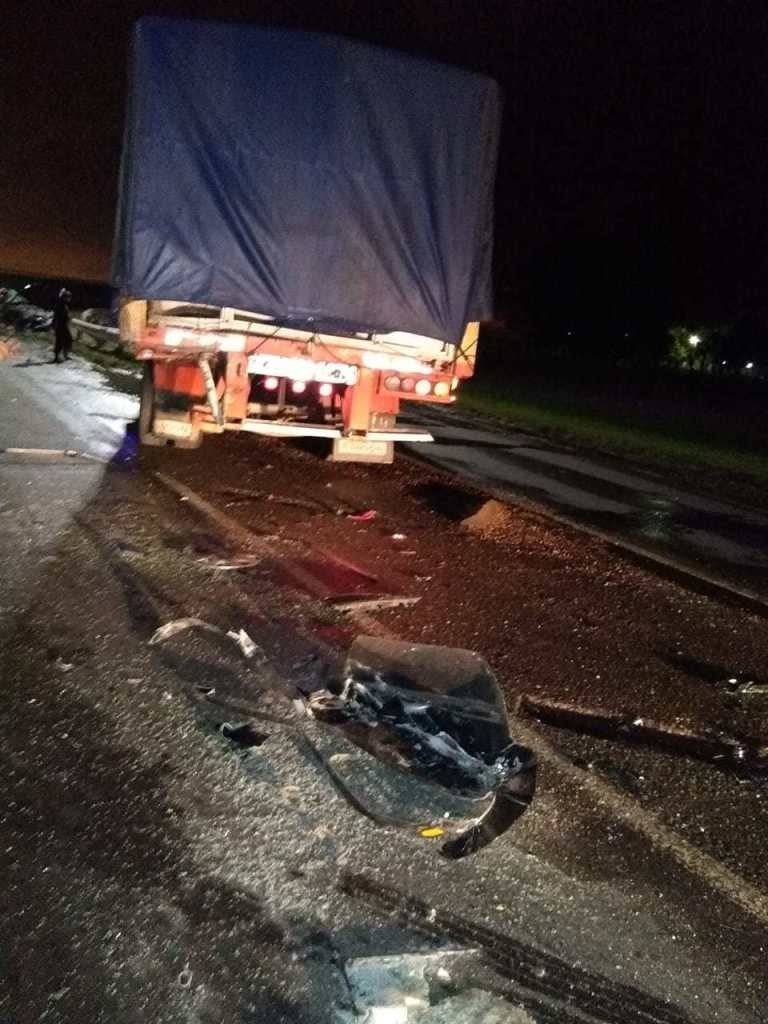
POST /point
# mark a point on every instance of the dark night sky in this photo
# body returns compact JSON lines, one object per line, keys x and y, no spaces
{"x":633,"y":160}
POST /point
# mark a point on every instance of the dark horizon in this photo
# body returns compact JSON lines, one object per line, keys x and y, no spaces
{"x":633,"y":154}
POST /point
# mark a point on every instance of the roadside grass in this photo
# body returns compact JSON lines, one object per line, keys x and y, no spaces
{"x":665,"y":444}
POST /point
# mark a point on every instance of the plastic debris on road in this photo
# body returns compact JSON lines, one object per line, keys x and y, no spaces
{"x":435,"y":714}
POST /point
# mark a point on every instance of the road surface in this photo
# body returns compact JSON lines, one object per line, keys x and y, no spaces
{"x":646,"y":510}
{"x":154,"y":870}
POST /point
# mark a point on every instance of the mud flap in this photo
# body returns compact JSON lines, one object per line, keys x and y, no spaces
{"x":423,"y":743}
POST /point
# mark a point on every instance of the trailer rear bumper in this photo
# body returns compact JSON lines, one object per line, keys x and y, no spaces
{"x":273,"y":428}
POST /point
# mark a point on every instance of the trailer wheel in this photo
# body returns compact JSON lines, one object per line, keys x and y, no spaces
{"x":148,"y":408}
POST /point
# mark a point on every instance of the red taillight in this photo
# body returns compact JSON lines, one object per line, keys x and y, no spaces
{"x":298,"y":387}
{"x":423,"y":387}
{"x":407,"y":384}
{"x":325,"y":390}
{"x":392,"y":383}
{"x":271,"y":383}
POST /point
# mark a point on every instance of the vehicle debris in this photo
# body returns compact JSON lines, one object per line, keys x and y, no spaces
{"x":233,"y":565}
{"x":363,"y":517}
{"x":437,"y":714}
{"x":243,"y":641}
{"x":399,"y":987}
{"x":179,"y":626}
{"x":747,"y":758}
{"x":746,"y":688}
{"x":244,"y":494}
{"x":240,"y":637}
{"x":366,"y":603}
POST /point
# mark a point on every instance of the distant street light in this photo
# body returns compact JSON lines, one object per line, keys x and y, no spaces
{"x":749,"y":366}
{"x":694,"y":340}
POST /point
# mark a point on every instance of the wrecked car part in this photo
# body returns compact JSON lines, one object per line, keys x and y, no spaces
{"x":436,"y":714}
{"x":746,"y":758}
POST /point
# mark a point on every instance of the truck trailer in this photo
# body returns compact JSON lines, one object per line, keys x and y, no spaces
{"x":304,"y":233}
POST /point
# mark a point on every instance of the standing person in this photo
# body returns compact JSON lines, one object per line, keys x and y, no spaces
{"x":63,"y":342}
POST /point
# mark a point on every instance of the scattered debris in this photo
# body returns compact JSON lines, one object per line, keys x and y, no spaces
{"x":63,"y":666}
{"x":240,"y":637}
{"x":437,"y":714}
{"x":747,"y":758}
{"x":244,"y":642}
{"x":179,"y":626}
{"x":622,"y":777}
{"x":362,"y":517}
{"x":185,"y":978}
{"x":396,"y":988}
{"x":475,"y":1005}
{"x":367,"y":603}
{"x":243,"y":735}
{"x":243,"y":494}
{"x":233,"y":565}
{"x":69,"y":453}
{"x":747,"y":688}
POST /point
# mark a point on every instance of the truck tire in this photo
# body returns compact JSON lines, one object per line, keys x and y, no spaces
{"x":147,"y":409}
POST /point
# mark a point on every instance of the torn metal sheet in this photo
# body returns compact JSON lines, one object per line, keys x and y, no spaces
{"x":747,"y":758}
{"x":436,"y":714}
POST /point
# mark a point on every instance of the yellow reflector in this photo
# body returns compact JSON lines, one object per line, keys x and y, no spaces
{"x":431,"y":833}
{"x":442,"y":388}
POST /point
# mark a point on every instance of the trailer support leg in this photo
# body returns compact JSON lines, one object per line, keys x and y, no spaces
{"x":210,"y":390}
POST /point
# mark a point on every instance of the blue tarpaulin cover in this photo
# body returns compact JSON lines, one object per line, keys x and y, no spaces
{"x":322,"y":181}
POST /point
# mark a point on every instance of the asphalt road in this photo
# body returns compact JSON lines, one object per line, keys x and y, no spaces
{"x":647,"y":510}
{"x":155,"y":871}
